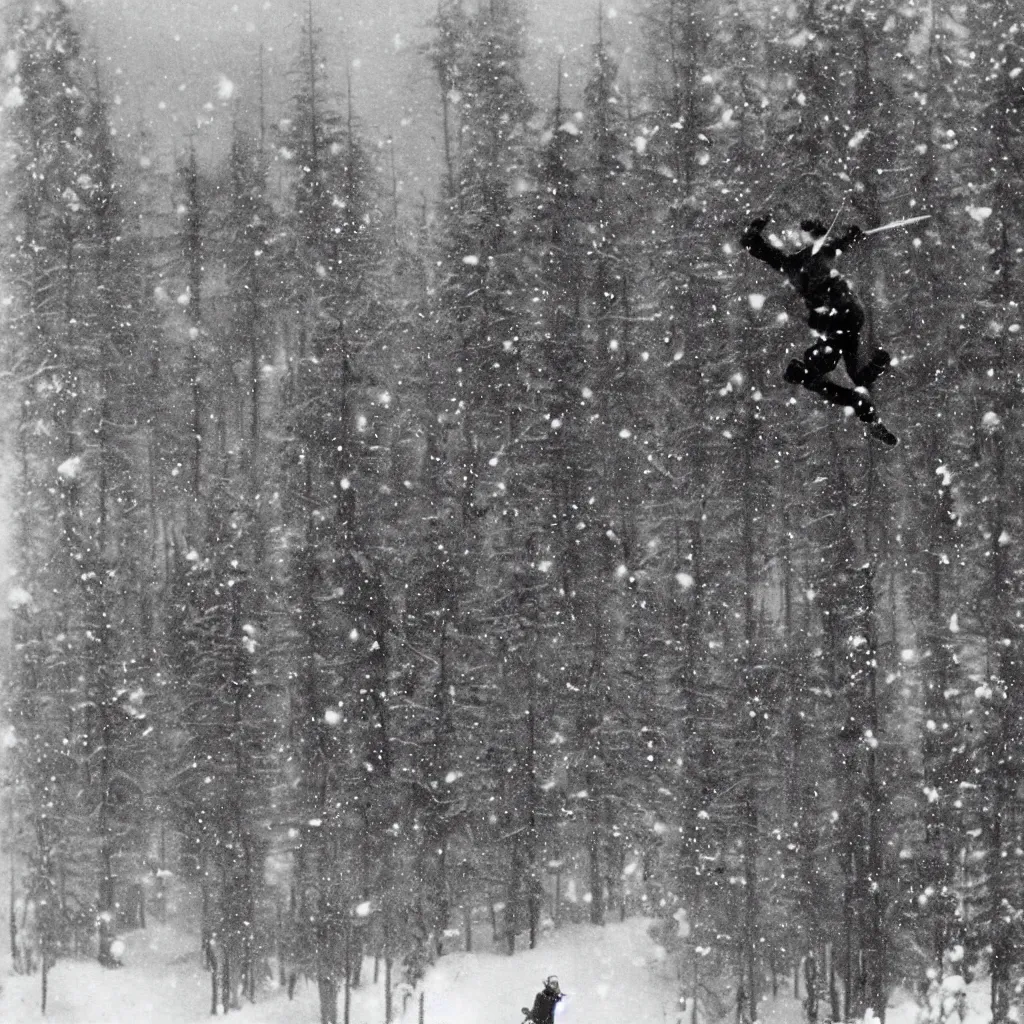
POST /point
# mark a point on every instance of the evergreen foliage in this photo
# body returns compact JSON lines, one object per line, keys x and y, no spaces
{"x":391,"y":578}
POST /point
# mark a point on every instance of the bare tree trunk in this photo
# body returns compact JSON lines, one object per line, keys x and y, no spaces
{"x":833,"y":991}
{"x":347,"y":1001}
{"x":595,"y":874}
{"x":227,"y":999}
{"x":750,"y":964}
{"x":327,"y":988}
{"x":13,"y":920}
{"x":211,"y":961}
{"x":811,"y":984}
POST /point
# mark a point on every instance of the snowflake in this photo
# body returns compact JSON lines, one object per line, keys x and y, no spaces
{"x":70,"y":469}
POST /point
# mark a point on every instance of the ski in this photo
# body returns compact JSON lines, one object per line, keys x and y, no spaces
{"x":899,"y":224}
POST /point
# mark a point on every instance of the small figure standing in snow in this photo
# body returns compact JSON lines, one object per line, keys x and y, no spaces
{"x":543,"y":1011}
{"x":834,"y":314}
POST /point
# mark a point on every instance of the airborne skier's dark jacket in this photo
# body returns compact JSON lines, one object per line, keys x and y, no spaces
{"x":830,"y":302}
{"x":834,"y":314}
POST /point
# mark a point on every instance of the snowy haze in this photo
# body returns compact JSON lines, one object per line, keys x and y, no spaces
{"x":180,"y":69}
{"x":419,"y":582}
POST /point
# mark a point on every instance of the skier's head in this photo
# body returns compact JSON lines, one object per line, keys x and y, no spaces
{"x":806,"y":234}
{"x":813,"y":227}
{"x":551,"y":984}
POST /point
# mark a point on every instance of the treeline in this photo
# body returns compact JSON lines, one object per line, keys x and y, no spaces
{"x":373,"y":572}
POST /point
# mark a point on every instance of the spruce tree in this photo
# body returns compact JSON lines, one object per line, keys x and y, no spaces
{"x":75,"y":253}
{"x":336,"y":593}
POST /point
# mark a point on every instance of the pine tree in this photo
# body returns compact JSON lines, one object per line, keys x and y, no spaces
{"x":251,"y":252}
{"x":496,"y":412}
{"x":595,"y":467}
{"x":76,"y":255}
{"x":682,"y":298}
{"x":221,"y":785}
{"x":935,"y":511}
{"x":992,"y":361}
{"x":338,"y":601}
{"x":44,"y":156}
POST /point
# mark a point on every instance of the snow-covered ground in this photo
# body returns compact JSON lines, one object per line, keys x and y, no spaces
{"x":612,"y":975}
{"x":609,"y":976}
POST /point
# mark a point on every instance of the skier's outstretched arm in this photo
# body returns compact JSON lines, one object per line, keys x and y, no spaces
{"x":758,"y":246}
{"x":844,"y":243}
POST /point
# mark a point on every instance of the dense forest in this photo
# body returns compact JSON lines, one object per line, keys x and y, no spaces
{"x":381,"y":576}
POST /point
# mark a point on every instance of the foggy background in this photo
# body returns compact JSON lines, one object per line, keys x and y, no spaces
{"x":180,"y":70}
{"x":382,"y":593}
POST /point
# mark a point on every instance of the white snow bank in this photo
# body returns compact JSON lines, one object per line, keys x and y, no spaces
{"x":609,"y":975}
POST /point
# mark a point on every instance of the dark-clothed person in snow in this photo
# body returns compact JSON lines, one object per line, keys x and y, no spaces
{"x":834,"y":314}
{"x":543,"y":1011}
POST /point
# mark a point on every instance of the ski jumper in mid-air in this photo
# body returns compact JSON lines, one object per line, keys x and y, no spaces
{"x":834,"y":314}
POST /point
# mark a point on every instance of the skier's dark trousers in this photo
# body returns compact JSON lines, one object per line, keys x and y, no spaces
{"x":834,"y":314}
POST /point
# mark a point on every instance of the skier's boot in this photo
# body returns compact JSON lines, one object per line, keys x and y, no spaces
{"x":795,"y":373}
{"x":876,"y":366}
{"x":881,"y":432}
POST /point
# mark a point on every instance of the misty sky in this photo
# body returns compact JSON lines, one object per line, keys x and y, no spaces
{"x":168,"y":63}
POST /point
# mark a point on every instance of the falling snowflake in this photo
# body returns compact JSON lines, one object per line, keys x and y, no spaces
{"x":70,"y":469}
